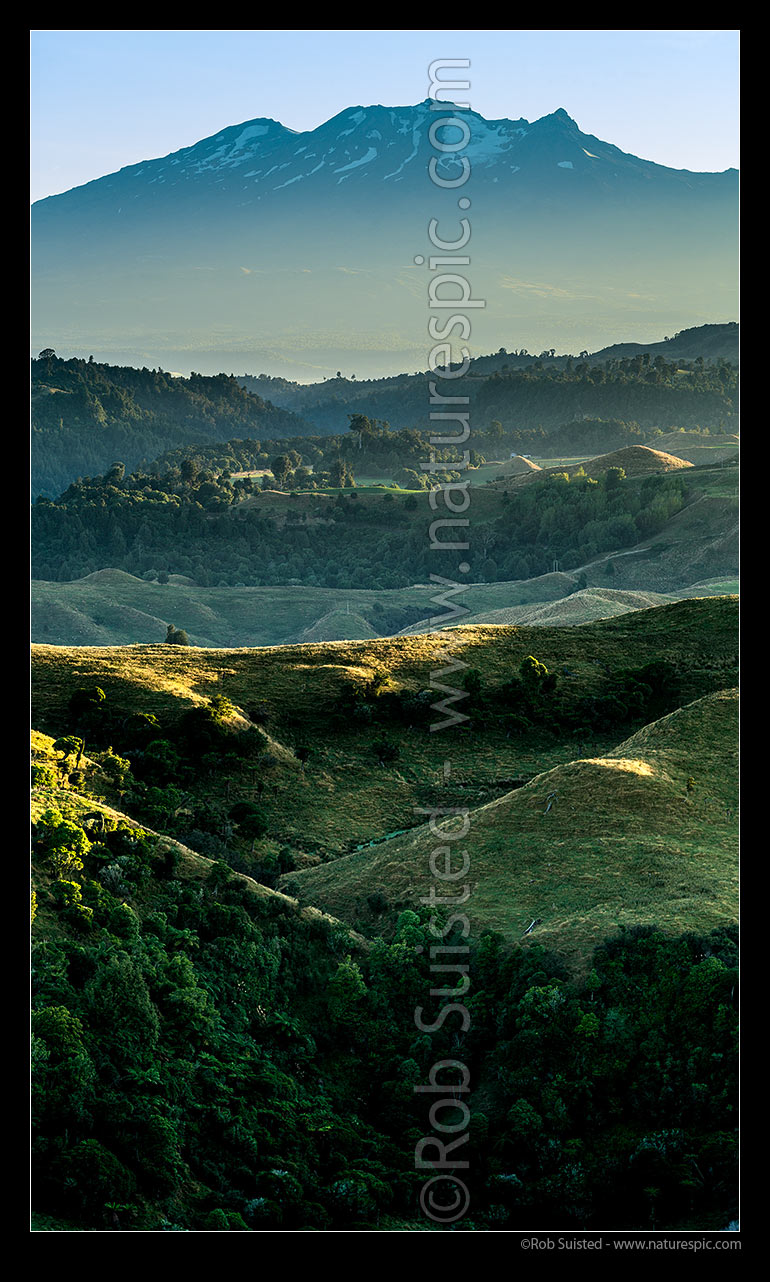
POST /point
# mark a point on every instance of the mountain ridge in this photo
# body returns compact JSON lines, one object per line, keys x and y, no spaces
{"x":302,"y":249}
{"x":240,"y":137}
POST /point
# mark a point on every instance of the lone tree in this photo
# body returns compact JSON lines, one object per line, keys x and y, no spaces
{"x":69,"y":746}
{"x":281,"y":470}
{"x":250,"y":819}
{"x":535,"y":677}
{"x":176,"y":636}
{"x":341,"y":475}
{"x":473,"y":682}
{"x":379,"y":681}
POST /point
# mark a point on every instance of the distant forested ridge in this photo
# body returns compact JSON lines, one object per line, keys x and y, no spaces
{"x":85,"y":415}
{"x":713,"y":342}
{"x":525,"y":392}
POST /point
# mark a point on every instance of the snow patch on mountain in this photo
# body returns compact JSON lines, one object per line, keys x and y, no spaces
{"x":416,"y":136}
{"x":357,"y":117}
{"x":487,"y":145}
{"x":354,"y":164}
{"x":251,"y":131}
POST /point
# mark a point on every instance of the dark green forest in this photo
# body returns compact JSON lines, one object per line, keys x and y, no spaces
{"x":85,"y":414}
{"x":195,"y":523}
{"x":204,"y":1058}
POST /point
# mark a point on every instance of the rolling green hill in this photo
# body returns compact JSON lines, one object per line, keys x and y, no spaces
{"x":110,"y":607}
{"x":273,"y":567}
{"x":701,"y":447}
{"x":635,"y":460}
{"x":228,"y":850}
{"x":646,"y":834}
{"x":343,"y":796}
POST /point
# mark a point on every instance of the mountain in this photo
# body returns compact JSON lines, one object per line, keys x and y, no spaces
{"x":296,"y":252}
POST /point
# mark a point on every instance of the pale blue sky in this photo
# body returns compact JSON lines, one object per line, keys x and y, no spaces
{"x":104,"y":99}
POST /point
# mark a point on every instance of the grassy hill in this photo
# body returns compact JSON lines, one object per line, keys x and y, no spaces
{"x":635,"y":460}
{"x":644,"y":834}
{"x":579,"y":607}
{"x":674,"y":541}
{"x":516,"y":466}
{"x":343,"y":796}
{"x":338,"y":625}
{"x":584,"y":606}
{"x":209,"y":1055}
{"x":700,"y":448}
{"x":110,"y":607}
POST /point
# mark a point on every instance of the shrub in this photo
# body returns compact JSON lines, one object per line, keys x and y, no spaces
{"x":117,"y":769}
{"x":43,"y":776}
{"x":472,"y":682}
{"x":176,"y":636}
{"x":66,"y":893}
{"x":69,"y":746}
{"x":250,"y":819}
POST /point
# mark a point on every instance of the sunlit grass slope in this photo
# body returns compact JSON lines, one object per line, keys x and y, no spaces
{"x":646,"y":834}
{"x":342,"y":796}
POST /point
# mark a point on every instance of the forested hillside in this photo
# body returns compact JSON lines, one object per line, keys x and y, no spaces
{"x":219,"y":530}
{"x":85,"y":415}
{"x":208,"y":1059}
{"x":210,"y":1054}
{"x":524,"y":393}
